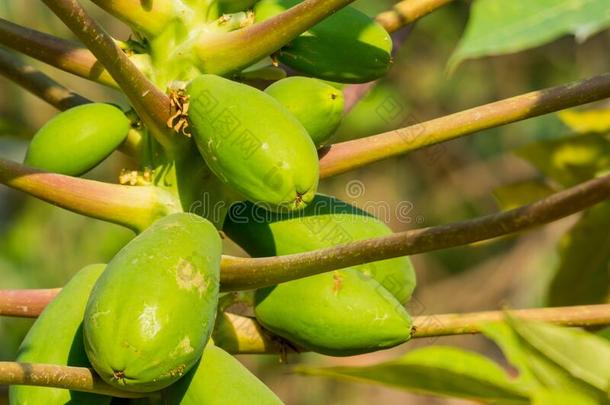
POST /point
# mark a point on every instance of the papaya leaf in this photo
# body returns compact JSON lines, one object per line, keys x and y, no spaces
{"x":586,"y":121}
{"x":536,"y":370}
{"x":584,"y":355}
{"x":583,"y":275}
{"x":500,"y":27}
{"x":571,"y":160}
{"x":436,"y":370}
{"x":521,"y":193}
{"x":546,"y":397}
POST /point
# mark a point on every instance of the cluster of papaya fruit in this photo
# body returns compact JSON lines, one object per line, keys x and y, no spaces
{"x":144,"y":321}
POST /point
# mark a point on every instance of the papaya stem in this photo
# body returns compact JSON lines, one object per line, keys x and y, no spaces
{"x":150,"y":18}
{"x":38,"y":83}
{"x":407,"y":12}
{"x":345,"y":156}
{"x":238,"y":334}
{"x":133,"y":207}
{"x":249,"y":273}
{"x":68,"y":56}
{"x":151,"y":104}
{"x":49,"y":375}
{"x":229,"y":52}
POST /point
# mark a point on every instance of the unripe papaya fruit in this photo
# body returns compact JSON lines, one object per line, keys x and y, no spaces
{"x":346,"y":47}
{"x":326,"y":222}
{"x":219,"y":379}
{"x":152,"y":311}
{"x":341,"y":313}
{"x":56,"y":338}
{"x":316,"y":104}
{"x":76,"y":140}
{"x":252,"y":143}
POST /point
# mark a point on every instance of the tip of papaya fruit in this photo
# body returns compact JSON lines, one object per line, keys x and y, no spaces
{"x":119,"y":375}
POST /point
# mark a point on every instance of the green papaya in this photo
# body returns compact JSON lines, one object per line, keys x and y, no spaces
{"x":57,"y":338}
{"x":346,"y":47}
{"x":316,"y":104}
{"x":341,"y":313}
{"x":152,"y":311}
{"x":252,"y":143}
{"x":326,"y":222}
{"x":219,"y":379}
{"x":78,"y":139}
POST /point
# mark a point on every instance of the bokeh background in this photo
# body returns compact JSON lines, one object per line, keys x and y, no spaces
{"x":42,"y":246}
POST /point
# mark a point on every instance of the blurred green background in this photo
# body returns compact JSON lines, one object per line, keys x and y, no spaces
{"x":42,"y":246}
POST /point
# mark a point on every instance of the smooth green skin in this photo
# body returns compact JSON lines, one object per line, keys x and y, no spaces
{"x":76,"y":140}
{"x":347,"y":47}
{"x":56,"y":338}
{"x":252,"y":143}
{"x":316,"y":104}
{"x":234,"y":6}
{"x":326,"y":222}
{"x":341,"y":313}
{"x":219,"y":379}
{"x":152,"y":311}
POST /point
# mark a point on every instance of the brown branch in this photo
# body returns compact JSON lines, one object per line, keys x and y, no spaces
{"x":66,"y":55}
{"x":151,"y":104}
{"x":408,"y":11}
{"x":249,"y":273}
{"x":130,"y":206}
{"x":38,"y":83}
{"x":25,"y":303}
{"x":49,"y":375}
{"x":461,"y":324}
{"x":350,"y":155}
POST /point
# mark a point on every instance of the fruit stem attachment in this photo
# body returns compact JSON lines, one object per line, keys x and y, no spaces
{"x":68,"y":56}
{"x":49,"y":375}
{"x":151,"y":104}
{"x":38,"y":83}
{"x":229,"y":52}
{"x":135,"y":207}
{"x":250,"y":273}
{"x":407,"y":12}
{"x":346,"y":156}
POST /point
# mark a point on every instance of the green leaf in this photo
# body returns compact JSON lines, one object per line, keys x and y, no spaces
{"x":436,"y":370}
{"x":524,"y":192}
{"x":583,"y":275}
{"x":500,"y":27}
{"x":536,"y":371}
{"x":584,"y":355}
{"x":571,"y":160}
{"x":586,"y":121}
{"x":545,"y":397}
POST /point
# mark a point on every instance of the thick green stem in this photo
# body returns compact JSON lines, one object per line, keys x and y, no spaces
{"x":151,"y":104}
{"x":249,"y":273}
{"x":130,"y":206}
{"x":408,"y":11}
{"x":66,"y":55}
{"x":38,"y":83}
{"x":150,"y":17}
{"x":49,"y":375}
{"x":350,"y":155}
{"x":226,"y":53}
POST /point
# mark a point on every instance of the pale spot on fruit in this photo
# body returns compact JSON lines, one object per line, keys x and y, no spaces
{"x":188,"y":278}
{"x":183,"y":348}
{"x":265,"y":146}
{"x":149,"y":324}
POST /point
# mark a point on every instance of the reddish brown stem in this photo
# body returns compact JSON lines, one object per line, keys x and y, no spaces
{"x":408,"y":11}
{"x":350,"y":155}
{"x":66,"y":55}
